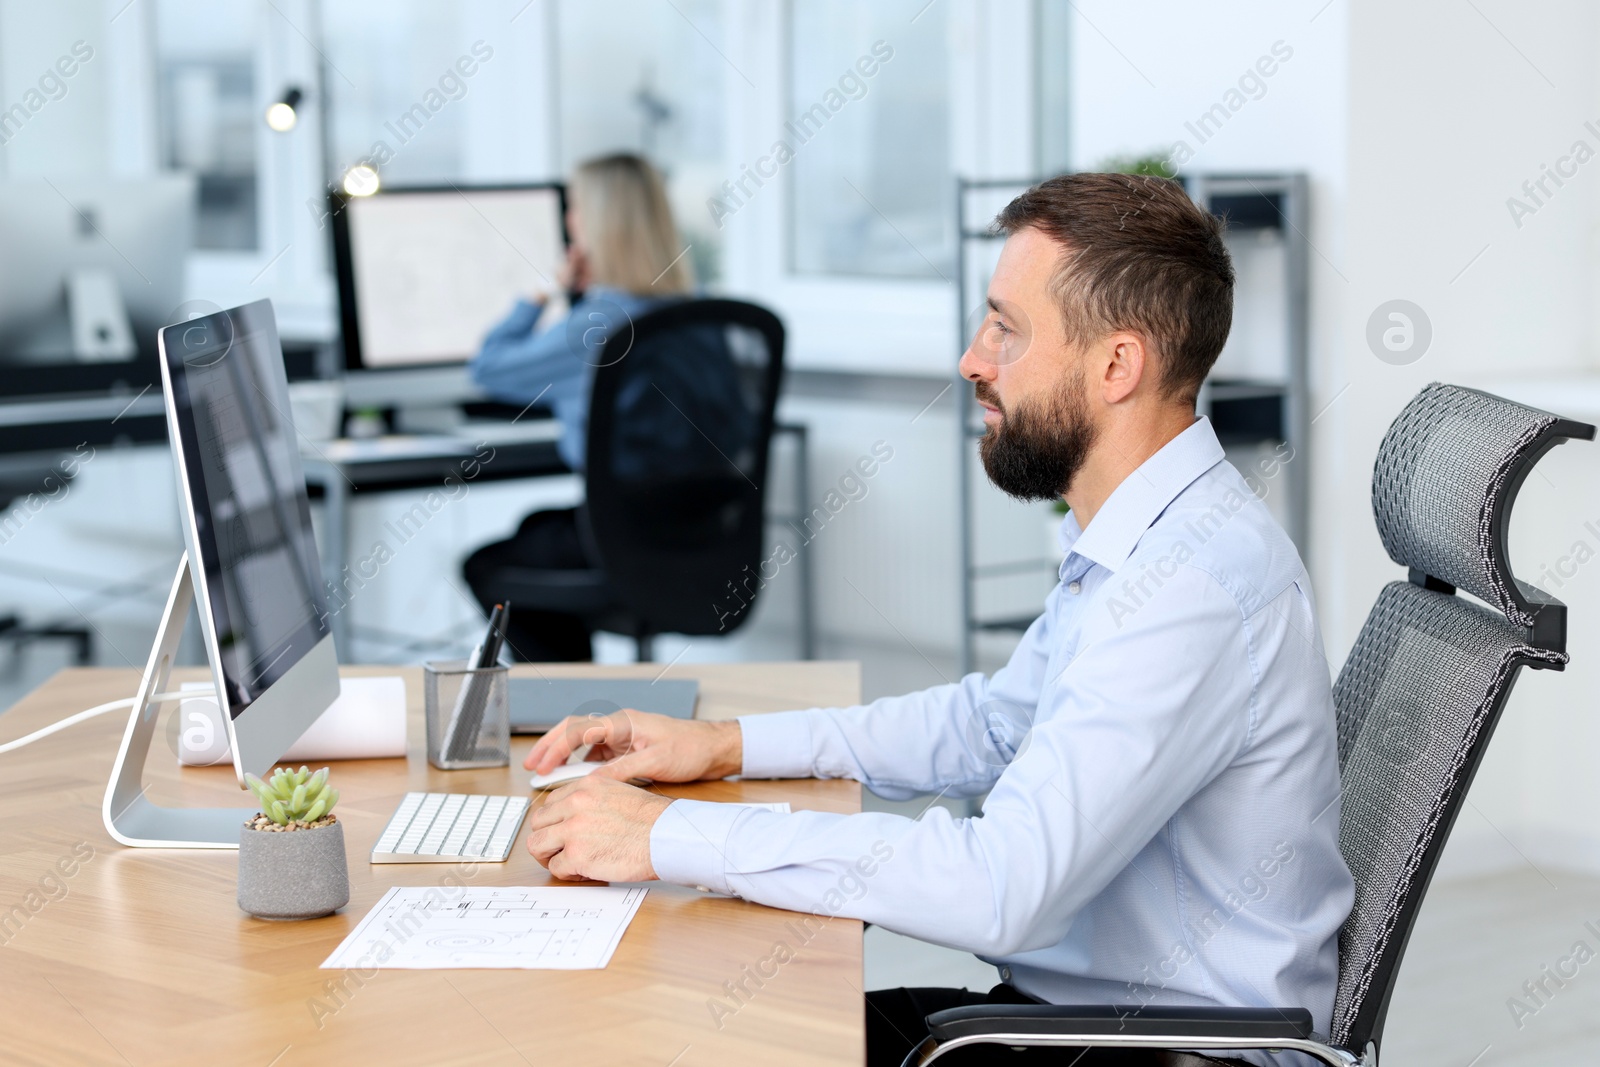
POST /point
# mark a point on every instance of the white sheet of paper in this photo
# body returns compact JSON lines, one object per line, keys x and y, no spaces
{"x":542,"y":928}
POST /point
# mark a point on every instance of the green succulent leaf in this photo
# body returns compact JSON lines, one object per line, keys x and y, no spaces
{"x":294,"y":796}
{"x":258,"y":788}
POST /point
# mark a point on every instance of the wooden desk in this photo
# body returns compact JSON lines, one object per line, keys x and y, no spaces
{"x":141,"y":956}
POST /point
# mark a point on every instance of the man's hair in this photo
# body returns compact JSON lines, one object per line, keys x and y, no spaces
{"x":1140,"y":256}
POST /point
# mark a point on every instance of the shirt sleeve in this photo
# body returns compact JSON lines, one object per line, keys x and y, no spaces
{"x":1149,"y":710}
{"x":520,"y":366}
{"x":953,"y":738}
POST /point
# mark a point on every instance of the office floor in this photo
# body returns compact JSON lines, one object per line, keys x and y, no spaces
{"x":1461,"y":1000}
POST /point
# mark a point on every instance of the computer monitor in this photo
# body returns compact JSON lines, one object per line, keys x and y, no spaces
{"x":90,"y":269}
{"x":425,"y":272}
{"x":250,"y":566}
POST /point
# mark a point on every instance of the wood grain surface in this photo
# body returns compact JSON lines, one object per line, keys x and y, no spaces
{"x":112,"y":955}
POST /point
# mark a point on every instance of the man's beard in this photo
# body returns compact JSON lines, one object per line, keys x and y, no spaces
{"x":1034,"y":451}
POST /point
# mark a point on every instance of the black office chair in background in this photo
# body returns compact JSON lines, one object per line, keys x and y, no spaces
{"x":15,"y":484}
{"x":1418,"y":700}
{"x":680,"y":429}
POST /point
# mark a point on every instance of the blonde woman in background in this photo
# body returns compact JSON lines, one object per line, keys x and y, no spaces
{"x":625,"y":258}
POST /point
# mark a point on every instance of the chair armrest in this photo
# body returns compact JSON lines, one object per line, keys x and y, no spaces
{"x":1179,"y":1023}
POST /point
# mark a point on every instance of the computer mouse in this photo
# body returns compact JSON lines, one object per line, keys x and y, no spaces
{"x":561,"y":775}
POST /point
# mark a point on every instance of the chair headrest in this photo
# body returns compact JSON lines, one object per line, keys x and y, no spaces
{"x":1443,"y":486}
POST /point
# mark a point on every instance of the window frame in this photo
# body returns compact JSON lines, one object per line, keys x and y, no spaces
{"x":848,"y":323}
{"x":858,"y":323}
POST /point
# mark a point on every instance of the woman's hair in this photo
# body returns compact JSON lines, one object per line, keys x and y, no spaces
{"x":628,"y":231}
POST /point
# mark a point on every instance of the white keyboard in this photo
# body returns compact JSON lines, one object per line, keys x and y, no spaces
{"x":445,"y":827}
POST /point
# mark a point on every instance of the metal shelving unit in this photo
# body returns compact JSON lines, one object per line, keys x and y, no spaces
{"x":1243,"y":410}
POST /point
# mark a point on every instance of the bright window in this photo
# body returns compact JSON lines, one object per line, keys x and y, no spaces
{"x":394,"y":90}
{"x":207,"y":115}
{"x":871,"y":168}
{"x":649,"y":77}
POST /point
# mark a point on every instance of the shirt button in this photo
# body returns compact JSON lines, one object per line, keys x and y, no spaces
{"x":1074,"y":588}
{"x":1005,"y":974}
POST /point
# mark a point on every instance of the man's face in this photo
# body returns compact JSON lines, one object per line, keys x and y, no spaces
{"x":1030,"y":381}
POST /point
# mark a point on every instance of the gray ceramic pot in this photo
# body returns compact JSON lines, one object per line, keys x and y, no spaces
{"x":293,"y":874}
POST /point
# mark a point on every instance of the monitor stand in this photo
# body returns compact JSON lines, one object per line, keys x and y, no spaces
{"x":130,"y":817}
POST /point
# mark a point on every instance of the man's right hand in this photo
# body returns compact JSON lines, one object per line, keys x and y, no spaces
{"x":639,"y":744}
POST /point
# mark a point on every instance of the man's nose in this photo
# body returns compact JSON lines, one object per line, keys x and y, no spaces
{"x":974,"y":367}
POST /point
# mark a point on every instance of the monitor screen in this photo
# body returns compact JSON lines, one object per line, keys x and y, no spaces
{"x":424,"y":273}
{"x":240,"y":471}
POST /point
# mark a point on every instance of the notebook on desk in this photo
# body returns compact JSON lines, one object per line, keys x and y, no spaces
{"x":539,"y":703}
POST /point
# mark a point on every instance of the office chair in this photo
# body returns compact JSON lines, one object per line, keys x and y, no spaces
{"x":1417,"y":701}
{"x":680,"y":427}
{"x":16,"y":483}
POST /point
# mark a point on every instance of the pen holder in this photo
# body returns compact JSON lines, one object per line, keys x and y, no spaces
{"x":468,"y":712}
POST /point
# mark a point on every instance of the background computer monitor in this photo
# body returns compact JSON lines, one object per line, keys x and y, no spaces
{"x":136,"y":232}
{"x":247,"y":525}
{"x":425,"y":272}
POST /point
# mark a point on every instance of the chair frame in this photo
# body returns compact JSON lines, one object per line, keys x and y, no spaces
{"x":1543,"y":619}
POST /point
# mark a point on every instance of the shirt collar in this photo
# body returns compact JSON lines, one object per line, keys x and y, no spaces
{"x":1141,"y":498}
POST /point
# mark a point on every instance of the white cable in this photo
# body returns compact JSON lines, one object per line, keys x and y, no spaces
{"x":101,"y":709}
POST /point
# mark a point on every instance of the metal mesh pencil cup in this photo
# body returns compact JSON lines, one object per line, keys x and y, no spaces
{"x":468,"y":713}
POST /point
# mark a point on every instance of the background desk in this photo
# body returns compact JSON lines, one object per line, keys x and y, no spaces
{"x":340,"y":469}
{"x":142,"y":956}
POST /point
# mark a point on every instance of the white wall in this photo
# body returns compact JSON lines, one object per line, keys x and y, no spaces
{"x":1415,"y":122}
{"x":1450,"y":111}
{"x":69,"y":135}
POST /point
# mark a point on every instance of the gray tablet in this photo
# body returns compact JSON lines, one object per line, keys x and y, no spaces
{"x":539,"y":703}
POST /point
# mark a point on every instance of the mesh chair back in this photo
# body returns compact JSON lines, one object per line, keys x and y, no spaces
{"x":680,"y":424}
{"x":1420,"y":694}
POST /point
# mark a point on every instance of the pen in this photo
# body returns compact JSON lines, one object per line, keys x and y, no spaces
{"x":487,"y":651}
{"x":498,"y":632}
{"x":462,"y":736}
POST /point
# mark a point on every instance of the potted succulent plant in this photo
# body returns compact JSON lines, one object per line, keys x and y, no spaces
{"x":291,"y":855}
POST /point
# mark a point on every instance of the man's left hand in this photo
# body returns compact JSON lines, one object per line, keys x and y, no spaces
{"x":596,"y":828}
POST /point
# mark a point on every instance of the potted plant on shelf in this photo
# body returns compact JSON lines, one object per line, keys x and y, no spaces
{"x":291,"y":855}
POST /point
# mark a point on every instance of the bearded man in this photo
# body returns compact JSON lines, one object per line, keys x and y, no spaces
{"x":1158,"y":757}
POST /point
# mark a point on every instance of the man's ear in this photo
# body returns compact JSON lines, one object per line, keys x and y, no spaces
{"x":1126,"y":362}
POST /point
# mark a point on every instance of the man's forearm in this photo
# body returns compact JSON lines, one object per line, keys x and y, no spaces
{"x":896,"y":746}
{"x":727,"y":748}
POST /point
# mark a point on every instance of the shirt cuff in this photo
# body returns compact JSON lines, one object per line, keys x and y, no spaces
{"x":777,"y":745}
{"x":689,"y":843}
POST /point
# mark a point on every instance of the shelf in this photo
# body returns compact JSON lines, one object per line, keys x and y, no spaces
{"x":1016,"y":566}
{"x":1249,"y":211}
{"x":1238,"y":389}
{"x":1016,"y":624}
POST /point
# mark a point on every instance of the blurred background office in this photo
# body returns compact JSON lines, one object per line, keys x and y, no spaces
{"x":1410,"y":196}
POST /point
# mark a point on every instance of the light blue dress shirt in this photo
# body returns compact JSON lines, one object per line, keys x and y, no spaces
{"x":1160,"y":760}
{"x":521,"y":364}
